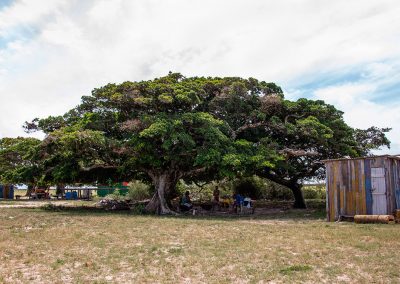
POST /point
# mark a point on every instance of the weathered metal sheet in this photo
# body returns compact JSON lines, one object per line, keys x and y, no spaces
{"x":350,"y":184}
{"x":389,"y":178}
{"x":363,"y":199}
{"x":377,"y":172}
{"x":396,"y":175}
{"x":378,"y":188}
{"x":368,"y":186}
{"x":377,"y":162}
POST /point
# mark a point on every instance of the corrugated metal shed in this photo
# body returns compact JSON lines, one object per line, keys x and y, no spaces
{"x":362,"y":186}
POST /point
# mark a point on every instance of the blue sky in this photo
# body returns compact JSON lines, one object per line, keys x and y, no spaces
{"x":344,"y":52}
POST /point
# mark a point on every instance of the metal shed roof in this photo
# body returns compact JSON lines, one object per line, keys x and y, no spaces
{"x":396,"y":157}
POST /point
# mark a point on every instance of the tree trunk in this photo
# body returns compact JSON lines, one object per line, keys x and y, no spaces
{"x":60,"y":190}
{"x":294,"y":186}
{"x":154,"y":205}
{"x":29,"y":190}
{"x":164,"y":185}
{"x":298,"y":196}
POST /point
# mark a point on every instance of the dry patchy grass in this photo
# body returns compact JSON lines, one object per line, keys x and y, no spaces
{"x":38,"y":246}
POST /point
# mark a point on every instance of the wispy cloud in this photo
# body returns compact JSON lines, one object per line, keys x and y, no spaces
{"x":53,"y":52}
{"x":373,"y":99}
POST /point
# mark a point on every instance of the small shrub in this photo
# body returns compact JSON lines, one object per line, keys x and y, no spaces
{"x":314,"y":192}
{"x":138,"y":191}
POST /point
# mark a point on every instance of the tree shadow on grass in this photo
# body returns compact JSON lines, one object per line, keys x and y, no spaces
{"x":260,"y":214}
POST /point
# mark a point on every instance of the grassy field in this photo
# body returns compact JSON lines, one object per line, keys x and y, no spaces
{"x":77,"y":246}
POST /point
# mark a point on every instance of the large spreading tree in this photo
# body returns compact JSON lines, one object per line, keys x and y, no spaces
{"x":159,"y":130}
{"x":197,"y":128}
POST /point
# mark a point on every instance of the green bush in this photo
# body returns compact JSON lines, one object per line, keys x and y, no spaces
{"x":276,"y":191}
{"x":260,"y":188}
{"x":252,"y":187}
{"x":138,"y":191}
{"x":314,"y":192}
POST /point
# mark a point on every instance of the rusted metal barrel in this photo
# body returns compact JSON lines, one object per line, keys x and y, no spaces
{"x":383,"y":219}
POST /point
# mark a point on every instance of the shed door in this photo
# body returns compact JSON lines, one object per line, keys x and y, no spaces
{"x":379,"y":203}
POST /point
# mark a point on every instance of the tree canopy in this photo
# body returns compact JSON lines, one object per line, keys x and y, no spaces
{"x":196,"y":128}
{"x":18,"y":163}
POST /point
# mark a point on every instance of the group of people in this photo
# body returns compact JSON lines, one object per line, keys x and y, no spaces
{"x":237,"y":201}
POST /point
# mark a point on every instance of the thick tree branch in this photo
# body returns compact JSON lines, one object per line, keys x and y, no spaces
{"x":194,"y":172}
{"x":297,"y":153}
{"x":94,"y":167}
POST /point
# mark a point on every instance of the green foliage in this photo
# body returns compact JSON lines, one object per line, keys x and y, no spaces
{"x":18,"y":160}
{"x":314,"y":192}
{"x":138,"y":191}
{"x":261,"y":188}
{"x":204,"y":192}
{"x":275,"y":191}
{"x":371,"y":138}
{"x":312,"y":127}
{"x":198,"y":129}
{"x":72,"y":154}
{"x":253,"y":187}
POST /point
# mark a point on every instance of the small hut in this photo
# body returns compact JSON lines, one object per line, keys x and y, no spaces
{"x":362,"y":186}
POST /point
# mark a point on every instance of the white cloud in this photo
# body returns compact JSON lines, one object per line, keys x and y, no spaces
{"x":346,"y":94}
{"x":27,"y":13}
{"x":55,"y":51}
{"x":362,"y":113}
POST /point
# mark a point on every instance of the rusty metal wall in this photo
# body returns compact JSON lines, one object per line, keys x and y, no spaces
{"x":351,"y":187}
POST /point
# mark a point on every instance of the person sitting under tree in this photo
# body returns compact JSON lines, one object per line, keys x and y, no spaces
{"x":238,"y":202}
{"x":186,"y":203}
